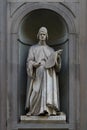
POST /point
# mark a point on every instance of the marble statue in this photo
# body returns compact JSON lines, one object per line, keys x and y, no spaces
{"x":43,"y":65}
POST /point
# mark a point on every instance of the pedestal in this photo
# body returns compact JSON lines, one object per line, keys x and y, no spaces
{"x":44,"y":119}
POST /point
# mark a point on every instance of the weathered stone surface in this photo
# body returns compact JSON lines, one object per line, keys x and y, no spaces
{"x":43,"y":0}
{"x":6,"y":49}
{"x":15,"y":6}
{"x":47,"y":119}
{"x":13,"y":57}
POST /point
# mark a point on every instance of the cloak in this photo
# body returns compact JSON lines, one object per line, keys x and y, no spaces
{"x":43,"y":85}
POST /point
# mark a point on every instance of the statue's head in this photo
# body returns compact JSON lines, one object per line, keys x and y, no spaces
{"x":42,"y":30}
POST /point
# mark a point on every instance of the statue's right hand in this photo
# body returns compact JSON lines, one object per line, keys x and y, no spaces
{"x":36,"y":65}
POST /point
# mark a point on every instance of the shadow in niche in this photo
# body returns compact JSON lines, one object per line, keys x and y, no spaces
{"x":57,"y":36}
{"x":23,"y":52}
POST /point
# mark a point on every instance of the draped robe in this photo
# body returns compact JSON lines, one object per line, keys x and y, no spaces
{"x":43,"y":88}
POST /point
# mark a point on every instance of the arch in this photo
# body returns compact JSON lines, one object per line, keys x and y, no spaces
{"x":59,"y":9}
{"x":29,"y":25}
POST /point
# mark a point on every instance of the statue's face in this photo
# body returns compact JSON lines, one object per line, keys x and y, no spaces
{"x":42,"y":36}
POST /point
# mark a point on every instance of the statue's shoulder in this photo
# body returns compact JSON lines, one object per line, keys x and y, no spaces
{"x":33,"y":47}
{"x":50,"y":48}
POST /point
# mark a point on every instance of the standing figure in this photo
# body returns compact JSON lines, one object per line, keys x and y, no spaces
{"x":43,"y":63}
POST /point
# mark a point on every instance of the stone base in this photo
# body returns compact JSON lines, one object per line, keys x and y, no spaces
{"x":45,"y":119}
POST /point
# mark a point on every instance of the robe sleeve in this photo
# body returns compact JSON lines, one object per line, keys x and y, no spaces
{"x":30,"y":62}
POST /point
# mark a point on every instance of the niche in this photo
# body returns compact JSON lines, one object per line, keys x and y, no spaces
{"x":57,"y":38}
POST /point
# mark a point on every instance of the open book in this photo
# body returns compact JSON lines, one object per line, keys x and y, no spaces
{"x":53,"y":59}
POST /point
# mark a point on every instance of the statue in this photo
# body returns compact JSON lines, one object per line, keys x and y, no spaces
{"x":43,"y":63}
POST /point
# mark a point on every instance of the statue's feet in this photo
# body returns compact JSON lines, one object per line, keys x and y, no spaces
{"x":44,"y":113}
{"x":28,"y":114}
{"x":60,"y":113}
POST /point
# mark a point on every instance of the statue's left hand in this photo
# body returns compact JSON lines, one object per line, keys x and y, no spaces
{"x":59,"y":52}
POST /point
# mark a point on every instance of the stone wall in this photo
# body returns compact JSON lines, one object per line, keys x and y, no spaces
{"x":9,"y":11}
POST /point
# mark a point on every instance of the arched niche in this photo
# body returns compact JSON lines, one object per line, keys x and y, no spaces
{"x":58,"y":38}
{"x":21,"y":40}
{"x":57,"y":28}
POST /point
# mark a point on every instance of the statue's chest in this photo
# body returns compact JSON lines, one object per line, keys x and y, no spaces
{"x":42,"y":53}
